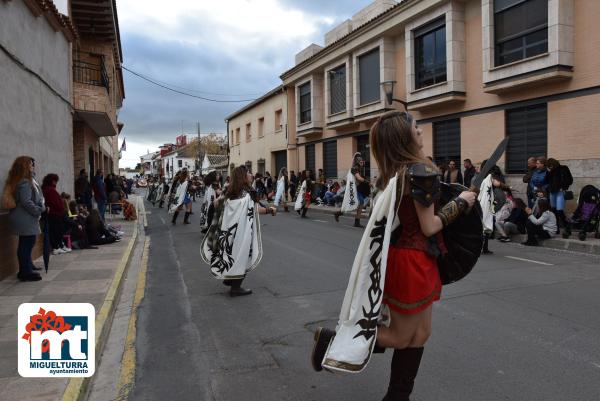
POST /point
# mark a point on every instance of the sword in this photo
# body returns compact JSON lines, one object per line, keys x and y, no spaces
{"x":491,"y":162}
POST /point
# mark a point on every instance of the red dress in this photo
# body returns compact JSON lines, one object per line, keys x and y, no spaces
{"x":412,"y":280}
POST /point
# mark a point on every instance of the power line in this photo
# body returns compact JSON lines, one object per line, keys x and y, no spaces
{"x":182,"y":92}
{"x":195,"y":90}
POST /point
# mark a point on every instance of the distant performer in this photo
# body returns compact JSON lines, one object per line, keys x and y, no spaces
{"x":357,"y":192}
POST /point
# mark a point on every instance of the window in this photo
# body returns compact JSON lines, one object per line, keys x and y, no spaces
{"x":179,"y":163}
{"x":248,"y":165}
{"x":309,"y":153}
{"x":232,"y":138}
{"x":337,"y":89}
{"x":369,"y":85}
{"x":261,"y":127}
{"x":527,"y":128}
{"x":248,"y":132}
{"x":304,"y":91}
{"x":446,"y":142}
{"x":520,"y":29}
{"x":278,"y":125}
{"x":330,"y":159}
{"x":237,"y":136}
{"x":430,"y":54}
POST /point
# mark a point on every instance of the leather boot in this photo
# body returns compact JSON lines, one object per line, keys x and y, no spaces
{"x":323,"y":337}
{"x":237,"y":290}
{"x":336,"y":216}
{"x":186,"y":218}
{"x":174,"y":219}
{"x":357,"y":223}
{"x":405,"y":366}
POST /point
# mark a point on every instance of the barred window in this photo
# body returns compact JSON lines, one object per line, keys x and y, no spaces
{"x":337,"y":89}
{"x":446,"y":141}
{"x":305,"y":106}
{"x":527,"y":128}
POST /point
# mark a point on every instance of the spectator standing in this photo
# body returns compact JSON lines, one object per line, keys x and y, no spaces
{"x":539,"y":177}
{"x":453,"y":174}
{"x":25,"y":209}
{"x":531,"y":166}
{"x":56,"y":214}
{"x":99,"y":193}
{"x":83,"y":190}
{"x":559,"y":180}
{"x":469,"y":172}
{"x":543,"y":227}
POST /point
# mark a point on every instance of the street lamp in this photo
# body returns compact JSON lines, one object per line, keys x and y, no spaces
{"x":388,"y":89}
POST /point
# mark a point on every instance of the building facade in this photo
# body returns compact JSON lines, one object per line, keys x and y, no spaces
{"x":35,"y":101}
{"x":258,"y":135}
{"x":98,"y":86}
{"x":470,"y":71}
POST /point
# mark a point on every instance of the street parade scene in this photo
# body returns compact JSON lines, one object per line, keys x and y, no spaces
{"x":281,"y":200}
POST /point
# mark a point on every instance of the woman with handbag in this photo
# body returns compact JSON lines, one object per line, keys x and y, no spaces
{"x":404,"y":232}
{"x":23,"y":197}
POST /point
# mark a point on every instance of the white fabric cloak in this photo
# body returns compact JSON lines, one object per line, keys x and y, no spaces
{"x":280,"y":191}
{"x":179,"y":197}
{"x":159,"y":193}
{"x":356,"y":331}
{"x":238,"y":246}
{"x":486,"y":200}
{"x":300,"y":197}
{"x":209,"y":196}
{"x":350,"y":202}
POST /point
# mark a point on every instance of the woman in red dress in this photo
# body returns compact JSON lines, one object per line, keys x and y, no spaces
{"x":412,"y":280}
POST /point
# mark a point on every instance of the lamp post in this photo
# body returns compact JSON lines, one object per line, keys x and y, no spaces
{"x":388,"y":89}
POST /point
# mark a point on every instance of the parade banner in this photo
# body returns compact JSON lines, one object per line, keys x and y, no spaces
{"x":280,"y":191}
{"x":486,"y":200}
{"x":350,"y":202}
{"x":300,"y":197}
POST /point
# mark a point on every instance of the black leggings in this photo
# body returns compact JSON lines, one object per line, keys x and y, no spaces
{"x":56,"y":231}
{"x":535,"y":230}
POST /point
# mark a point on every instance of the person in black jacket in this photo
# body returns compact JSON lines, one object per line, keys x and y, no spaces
{"x":469,"y":172}
{"x":96,"y":231}
{"x":559,"y":179}
{"x":515,"y":223}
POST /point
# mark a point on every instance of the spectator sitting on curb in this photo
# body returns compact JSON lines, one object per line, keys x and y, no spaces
{"x":543,"y":227}
{"x":515,"y":223}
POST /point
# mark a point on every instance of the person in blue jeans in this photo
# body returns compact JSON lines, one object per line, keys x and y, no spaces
{"x":25,"y":213}
{"x":100,"y":192}
{"x":539,"y":177}
{"x":559,"y":181}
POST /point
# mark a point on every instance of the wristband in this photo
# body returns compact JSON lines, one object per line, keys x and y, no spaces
{"x":452,"y":210}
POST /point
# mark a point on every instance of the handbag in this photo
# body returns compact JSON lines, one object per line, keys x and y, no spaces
{"x":8,"y":201}
{"x":569,"y":195}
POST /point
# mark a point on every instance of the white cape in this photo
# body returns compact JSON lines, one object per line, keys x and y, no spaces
{"x":159,"y":193}
{"x":486,"y":200}
{"x":356,"y":331}
{"x":280,"y":191}
{"x":179,"y":197}
{"x":209,"y":196}
{"x":350,"y":202}
{"x":236,"y":247}
{"x":300,"y":197}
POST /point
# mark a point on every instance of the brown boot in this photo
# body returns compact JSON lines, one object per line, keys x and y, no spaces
{"x":322,"y":339}
{"x":336,"y":216}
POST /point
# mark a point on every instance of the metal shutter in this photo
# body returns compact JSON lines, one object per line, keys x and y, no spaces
{"x":446,"y":142}
{"x":527,"y":128}
{"x":369,"y":85}
{"x":330,"y":159}
{"x":310,"y":157}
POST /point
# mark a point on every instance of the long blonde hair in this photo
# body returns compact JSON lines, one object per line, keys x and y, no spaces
{"x":393,"y":145}
{"x":19,"y":171}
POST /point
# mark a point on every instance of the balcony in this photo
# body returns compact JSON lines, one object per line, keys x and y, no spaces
{"x":91,"y":74}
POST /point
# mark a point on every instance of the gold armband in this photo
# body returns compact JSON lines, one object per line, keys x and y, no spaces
{"x":452,"y":210}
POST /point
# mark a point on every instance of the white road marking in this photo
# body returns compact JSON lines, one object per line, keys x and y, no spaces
{"x":529,"y":260}
{"x":320,"y":221}
{"x":163,"y":220}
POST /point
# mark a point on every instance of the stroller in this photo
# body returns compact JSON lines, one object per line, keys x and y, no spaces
{"x":586,"y":217}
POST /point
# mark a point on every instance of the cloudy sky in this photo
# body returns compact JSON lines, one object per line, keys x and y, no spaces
{"x":226,"y":50}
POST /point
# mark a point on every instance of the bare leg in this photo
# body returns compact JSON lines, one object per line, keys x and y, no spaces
{"x":406,"y":330}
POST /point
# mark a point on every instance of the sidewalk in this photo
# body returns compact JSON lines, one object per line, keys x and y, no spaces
{"x":590,"y":245}
{"x":91,"y":275}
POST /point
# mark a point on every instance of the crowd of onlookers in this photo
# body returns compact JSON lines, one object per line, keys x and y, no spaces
{"x":68,"y":223}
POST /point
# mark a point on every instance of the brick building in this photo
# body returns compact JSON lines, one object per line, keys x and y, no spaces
{"x":98,"y":89}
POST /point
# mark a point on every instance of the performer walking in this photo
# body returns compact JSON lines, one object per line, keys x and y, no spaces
{"x":396,"y":263}
{"x":233,"y":247}
{"x":304,"y":194}
{"x":211,"y":193}
{"x":182,"y":198}
{"x":357,"y":191}
{"x":163,"y":192}
{"x":280,"y":194}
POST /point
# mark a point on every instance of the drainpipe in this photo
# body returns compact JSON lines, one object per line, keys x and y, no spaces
{"x":228,"y":153}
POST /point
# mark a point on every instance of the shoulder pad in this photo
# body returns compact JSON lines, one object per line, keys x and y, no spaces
{"x":424,"y":184}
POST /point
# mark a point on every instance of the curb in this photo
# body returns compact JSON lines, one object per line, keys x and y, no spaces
{"x":77,"y":387}
{"x":591,"y":246}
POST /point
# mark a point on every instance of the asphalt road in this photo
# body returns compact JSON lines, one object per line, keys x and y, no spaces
{"x":525,"y":325}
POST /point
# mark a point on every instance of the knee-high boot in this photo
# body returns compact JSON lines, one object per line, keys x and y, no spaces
{"x":405,"y":366}
{"x":186,"y":218}
{"x":174,"y":220}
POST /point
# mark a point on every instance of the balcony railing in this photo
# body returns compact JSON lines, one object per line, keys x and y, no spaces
{"x":91,"y":74}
